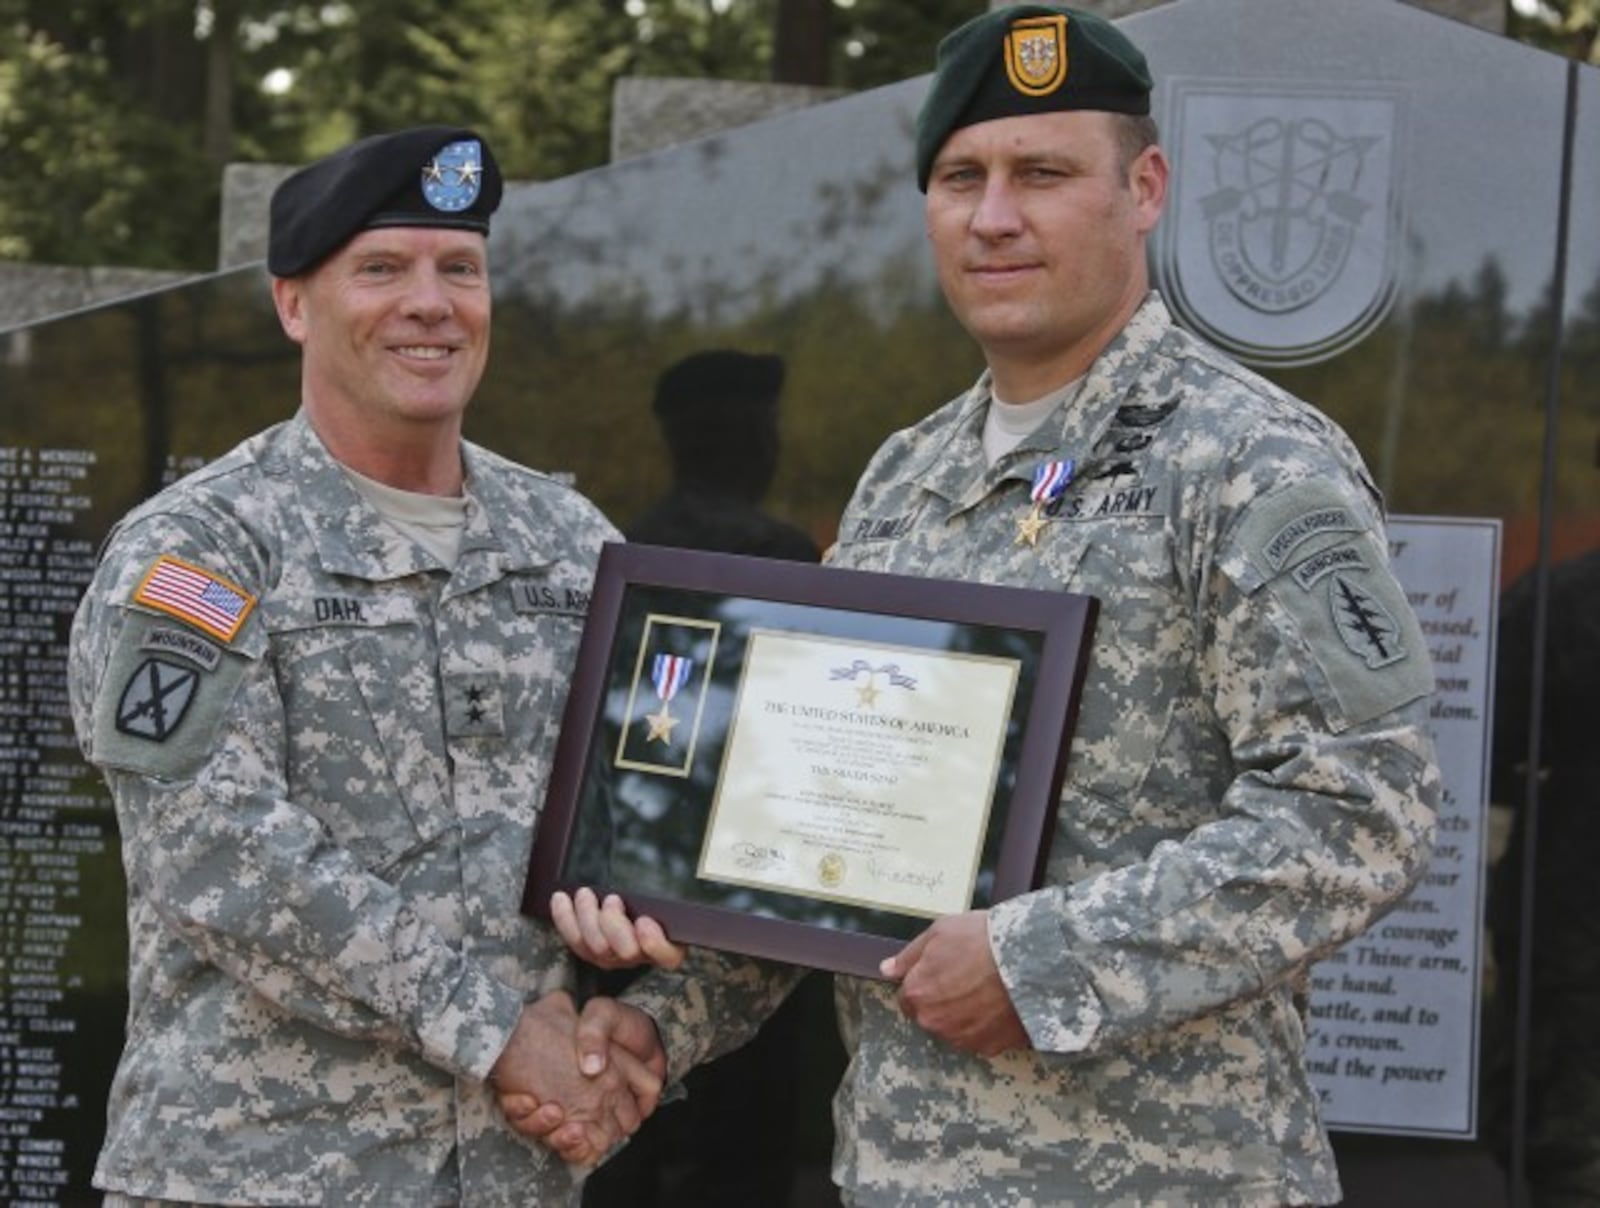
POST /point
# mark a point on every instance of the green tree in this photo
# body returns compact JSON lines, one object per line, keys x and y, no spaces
{"x":1567,"y":27}
{"x":116,"y":118}
{"x":100,"y":166}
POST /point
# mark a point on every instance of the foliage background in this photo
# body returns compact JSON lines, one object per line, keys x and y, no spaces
{"x":117,"y":116}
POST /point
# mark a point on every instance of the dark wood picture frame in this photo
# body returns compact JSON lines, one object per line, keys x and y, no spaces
{"x":602,"y":813}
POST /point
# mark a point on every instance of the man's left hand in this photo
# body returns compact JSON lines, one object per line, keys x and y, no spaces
{"x":950,"y":986}
{"x":602,"y":934}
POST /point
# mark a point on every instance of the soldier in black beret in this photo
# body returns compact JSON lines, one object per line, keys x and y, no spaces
{"x":380,"y":273}
{"x":323,"y":677}
{"x":718,"y":413}
{"x":428,"y":176}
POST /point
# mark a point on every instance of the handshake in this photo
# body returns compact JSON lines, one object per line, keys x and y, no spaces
{"x":580,"y":1083}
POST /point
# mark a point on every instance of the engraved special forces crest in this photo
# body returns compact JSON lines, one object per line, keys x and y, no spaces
{"x":1036,"y":54}
{"x":452,"y":179}
{"x":1281,"y":238}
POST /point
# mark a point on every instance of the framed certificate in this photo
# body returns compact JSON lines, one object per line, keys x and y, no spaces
{"x":807,"y":763}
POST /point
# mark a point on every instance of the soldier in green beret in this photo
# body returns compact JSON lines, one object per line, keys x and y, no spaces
{"x":322,"y":677}
{"x":1251,"y":780}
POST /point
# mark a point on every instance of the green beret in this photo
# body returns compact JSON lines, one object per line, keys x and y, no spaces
{"x":428,"y":176}
{"x":1030,"y":58}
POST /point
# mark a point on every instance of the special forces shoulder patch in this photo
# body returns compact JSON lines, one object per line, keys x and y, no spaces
{"x":1314,"y":551}
{"x":1366,"y":626}
{"x":1358,"y":627}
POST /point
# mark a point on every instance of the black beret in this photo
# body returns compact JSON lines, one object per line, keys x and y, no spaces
{"x":429,"y":176}
{"x":1030,"y":58}
{"x":704,"y":381}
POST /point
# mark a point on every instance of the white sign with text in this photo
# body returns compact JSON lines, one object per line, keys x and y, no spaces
{"x":1395,"y":1013}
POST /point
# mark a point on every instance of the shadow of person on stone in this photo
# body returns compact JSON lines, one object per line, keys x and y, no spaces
{"x":718,"y":413}
{"x":1563,"y":1074}
{"x":754,"y":1129}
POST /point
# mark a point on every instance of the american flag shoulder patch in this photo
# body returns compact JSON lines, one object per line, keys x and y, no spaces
{"x":197,"y":596}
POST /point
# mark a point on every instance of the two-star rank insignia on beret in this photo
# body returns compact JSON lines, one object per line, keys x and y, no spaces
{"x":452,"y":178}
{"x":1036,"y":54}
{"x":196,"y":596}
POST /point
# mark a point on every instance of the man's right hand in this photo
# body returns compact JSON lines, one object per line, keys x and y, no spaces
{"x":609,"y":1036}
{"x":580,"y":1115}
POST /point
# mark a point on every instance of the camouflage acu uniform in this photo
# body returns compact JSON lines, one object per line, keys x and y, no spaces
{"x":326,"y":819}
{"x":1250,"y":783}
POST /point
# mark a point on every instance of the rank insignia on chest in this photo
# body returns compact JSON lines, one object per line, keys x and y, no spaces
{"x":474,"y":705}
{"x":1050,"y":478}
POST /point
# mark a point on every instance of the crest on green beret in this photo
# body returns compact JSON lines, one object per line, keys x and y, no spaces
{"x":1027,"y":59}
{"x":1036,"y":54}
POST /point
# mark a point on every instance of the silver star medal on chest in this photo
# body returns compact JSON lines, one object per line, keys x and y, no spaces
{"x":668,"y":672}
{"x":1050,"y":478}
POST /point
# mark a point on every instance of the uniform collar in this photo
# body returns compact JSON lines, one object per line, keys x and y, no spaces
{"x":512,"y":530}
{"x":352,"y":538}
{"x":953,"y":464}
{"x":954,"y":468}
